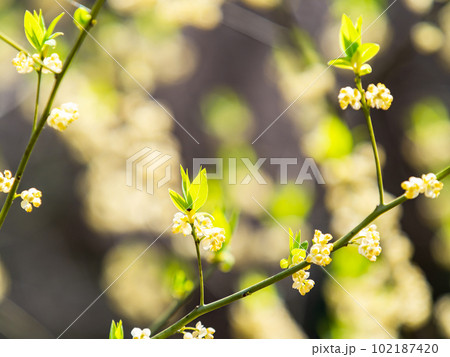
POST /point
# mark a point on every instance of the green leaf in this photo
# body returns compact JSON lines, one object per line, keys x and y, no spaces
{"x":82,"y":17}
{"x":368,"y":51}
{"x":29,"y":24}
{"x":116,"y":331}
{"x":284,"y":263}
{"x":185,"y":183}
{"x":350,"y":36}
{"x":51,"y":28}
{"x":341,"y":63}
{"x":291,"y":240}
{"x":199,"y":190}
{"x":178,"y":201}
{"x":304,"y":245}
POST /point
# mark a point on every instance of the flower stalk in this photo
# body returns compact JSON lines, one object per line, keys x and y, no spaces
{"x":366,"y":111}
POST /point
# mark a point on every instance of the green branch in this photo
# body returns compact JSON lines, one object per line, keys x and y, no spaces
{"x":40,"y":125}
{"x":343,"y":241}
{"x":199,"y":263}
{"x":366,"y":111}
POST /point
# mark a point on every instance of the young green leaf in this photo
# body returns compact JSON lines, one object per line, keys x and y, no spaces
{"x":178,"y":201}
{"x":341,"y":63}
{"x":350,"y":37}
{"x":31,"y":28}
{"x":291,"y":240}
{"x":367,"y":51}
{"x":116,"y":331}
{"x":304,"y":245}
{"x":199,"y":190}
{"x":51,"y":28}
{"x":185,"y":183}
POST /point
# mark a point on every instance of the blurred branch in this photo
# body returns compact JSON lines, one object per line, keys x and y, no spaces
{"x":343,"y":241}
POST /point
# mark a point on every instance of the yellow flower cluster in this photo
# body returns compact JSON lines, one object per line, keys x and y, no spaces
{"x":428,"y":184}
{"x":6,"y":181}
{"x":25,"y":64}
{"x":30,"y":198}
{"x":212,"y":238}
{"x":320,"y":251}
{"x":53,"y":62}
{"x":61,"y":118}
{"x":301,"y":282}
{"x":349,"y":95}
{"x":379,"y":96}
{"x":199,"y":332}
{"x":368,"y":240}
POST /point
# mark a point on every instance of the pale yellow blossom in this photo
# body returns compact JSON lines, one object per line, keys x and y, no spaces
{"x":431,"y":185}
{"x":368,"y":240}
{"x":6,"y":181}
{"x":199,"y":332}
{"x":30,"y":198}
{"x":53,"y":62}
{"x":349,"y":95}
{"x":181,"y":224}
{"x":379,"y":96}
{"x":320,"y":251}
{"x":213,"y":239}
{"x":23,"y":63}
{"x":61,"y":118}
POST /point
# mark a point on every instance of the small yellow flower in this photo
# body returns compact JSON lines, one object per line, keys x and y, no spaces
{"x":379,"y":96}
{"x":214,"y":239}
{"x":413,"y":187}
{"x":428,"y":184}
{"x":139,"y":334}
{"x":349,"y":95}
{"x":301,"y":282}
{"x":320,"y":251}
{"x":431,"y":185}
{"x":369,"y":242}
{"x":202,"y":223}
{"x":23,"y":63}
{"x":181,"y":224}
{"x":6,"y":181}
{"x":199,"y":332}
{"x":61,"y":118}
{"x":30,"y":198}
{"x":53,"y":62}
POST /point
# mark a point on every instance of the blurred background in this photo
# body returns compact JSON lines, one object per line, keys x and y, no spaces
{"x":226,"y":70}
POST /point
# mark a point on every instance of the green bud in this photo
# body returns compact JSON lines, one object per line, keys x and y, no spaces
{"x":82,"y":17}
